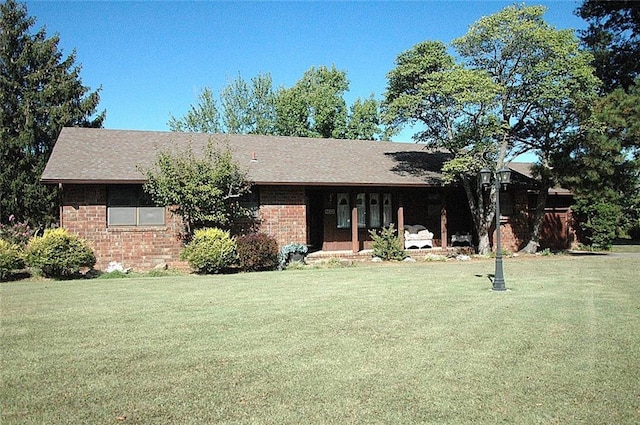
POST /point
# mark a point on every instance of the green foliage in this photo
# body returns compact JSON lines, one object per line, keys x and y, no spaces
{"x":520,"y":85}
{"x":11,"y":259}
{"x":313,"y":107}
{"x":249,"y":108}
{"x":613,"y":36}
{"x":429,"y":89}
{"x":210,"y":251}
{"x":202,"y":190}
{"x":459,"y":168}
{"x":386,"y":244}
{"x":291,"y":249}
{"x":40,"y":92}
{"x":59,"y":254}
{"x":257,"y":252}
{"x":203,"y":118}
{"x":15,"y":232}
{"x":364,"y":120}
{"x":601,"y":166}
{"x":597,"y":222}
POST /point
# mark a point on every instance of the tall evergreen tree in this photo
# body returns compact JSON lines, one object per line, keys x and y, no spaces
{"x":40,"y":92}
{"x":601,"y":164}
{"x":613,"y":37}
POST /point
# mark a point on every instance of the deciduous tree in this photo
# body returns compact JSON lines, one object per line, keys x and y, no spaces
{"x":452,"y":106}
{"x":363,"y":122}
{"x":315,"y":105}
{"x":249,"y":108}
{"x":201,"y":118}
{"x":202,"y":189}
{"x":519,"y":87}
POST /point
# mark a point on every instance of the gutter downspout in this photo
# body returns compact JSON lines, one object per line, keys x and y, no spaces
{"x":61,"y":205}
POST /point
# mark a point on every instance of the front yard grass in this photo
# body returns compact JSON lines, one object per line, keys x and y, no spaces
{"x":389,"y":343}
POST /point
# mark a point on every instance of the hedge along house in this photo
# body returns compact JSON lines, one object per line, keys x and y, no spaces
{"x":325,"y":193}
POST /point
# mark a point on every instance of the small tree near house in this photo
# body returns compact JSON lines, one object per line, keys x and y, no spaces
{"x":204,"y":190}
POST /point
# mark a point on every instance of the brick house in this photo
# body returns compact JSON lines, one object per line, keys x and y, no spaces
{"x":325,"y":193}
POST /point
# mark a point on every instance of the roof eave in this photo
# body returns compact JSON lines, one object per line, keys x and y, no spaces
{"x":88,"y":181}
{"x":259,"y":183}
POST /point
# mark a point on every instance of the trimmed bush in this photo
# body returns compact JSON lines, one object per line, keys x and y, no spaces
{"x":386,"y":244}
{"x":59,"y":254}
{"x":210,"y":251}
{"x":257,"y":252}
{"x":10,"y":259}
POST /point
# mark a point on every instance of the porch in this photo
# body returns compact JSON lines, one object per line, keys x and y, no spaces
{"x":339,"y":220}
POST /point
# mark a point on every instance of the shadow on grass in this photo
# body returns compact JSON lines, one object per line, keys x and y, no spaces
{"x":489,"y":276}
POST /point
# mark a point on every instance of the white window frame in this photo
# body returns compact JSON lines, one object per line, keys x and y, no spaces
{"x":343,"y":210}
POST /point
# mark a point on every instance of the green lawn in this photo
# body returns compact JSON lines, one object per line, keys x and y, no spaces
{"x":400,"y":343}
{"x":626,"y":246}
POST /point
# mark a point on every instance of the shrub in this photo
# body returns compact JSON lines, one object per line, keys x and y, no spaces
{"x":291,"y":250}
{"x":210,"y":251}
{"x":10,"y":259}
{"x":59,"y":254}
{"x":597,"y":222}
{"x":15,"y":232}
{"x":257,"y":252}
{"x":386,"y":244}
{"x":116,"y":274}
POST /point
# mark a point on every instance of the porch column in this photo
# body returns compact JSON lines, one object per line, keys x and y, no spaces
{"x":355,"y":243}
{"x":443,"y":222}
{"x":401,"y":223}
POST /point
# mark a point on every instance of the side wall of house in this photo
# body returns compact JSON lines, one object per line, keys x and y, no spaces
{"x":556,"y":232}
{"x":84,"y":212}
{"x":283,"y":213}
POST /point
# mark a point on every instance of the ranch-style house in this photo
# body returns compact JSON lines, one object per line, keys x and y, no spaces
{"x":325,"y":193}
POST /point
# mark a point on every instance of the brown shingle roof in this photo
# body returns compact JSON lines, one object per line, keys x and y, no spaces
{"x":85,"y":155}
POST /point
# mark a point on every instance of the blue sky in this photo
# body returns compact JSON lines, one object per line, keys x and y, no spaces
{"x":152,"y":58}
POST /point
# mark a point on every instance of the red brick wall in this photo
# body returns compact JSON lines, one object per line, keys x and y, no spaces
{"x":84,"y":212}
{"x":556,"y":232}
{"x":283,"y":213}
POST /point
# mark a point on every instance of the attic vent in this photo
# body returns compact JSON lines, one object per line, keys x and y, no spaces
{"x":254,"y":157}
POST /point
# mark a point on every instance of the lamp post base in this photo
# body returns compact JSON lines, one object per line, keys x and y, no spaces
{"x":499,"y":286}
{"x":498,"y":277}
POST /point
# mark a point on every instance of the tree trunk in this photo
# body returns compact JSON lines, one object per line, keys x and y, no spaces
{"x":536,"y":226}
{"x":484,"y":242}
{"x":481,"y":213}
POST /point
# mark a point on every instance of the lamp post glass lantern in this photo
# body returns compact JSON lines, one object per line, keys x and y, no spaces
{"x":502,"y":176}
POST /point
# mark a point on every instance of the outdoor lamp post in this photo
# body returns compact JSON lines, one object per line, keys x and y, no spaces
{"x":502,"y":176}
